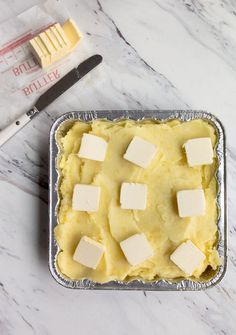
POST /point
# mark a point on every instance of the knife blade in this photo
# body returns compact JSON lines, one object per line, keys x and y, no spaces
{"x":67,"y":81}
{"x":50,"y":95}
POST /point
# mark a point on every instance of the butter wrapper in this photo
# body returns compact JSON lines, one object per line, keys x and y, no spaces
{"x":22,"y":80}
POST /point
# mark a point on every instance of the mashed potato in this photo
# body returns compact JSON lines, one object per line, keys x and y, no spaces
{"x":166,"y":174}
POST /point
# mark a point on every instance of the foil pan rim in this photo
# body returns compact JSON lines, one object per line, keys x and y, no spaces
{"x":139,"y":115}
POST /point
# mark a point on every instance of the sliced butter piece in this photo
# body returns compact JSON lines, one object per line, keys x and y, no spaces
{"x":36,"y":48}
{"x":49,"y":46}
{"x":62,"y":46}
{"x":72,"y":32}
{"x":61,"y":32}
{"x":58,"y":37}
{"x":191,"y":203}
{"x":199,"y":151}
{"x":53,"y":39}
{"x":140,"y":152}
{"x":88,"y":252}
{"x":133,"y":196}
{"x":55,"y":43}
{"x":86,"y":198}
{"x":93,"y":147}
{"x":37,"y":52}
{"x":59,"y":52}
{"x":136,"y":249}
{"x":187,"y":257}
{"x":45,"y":59}
{"x":42,"y":47}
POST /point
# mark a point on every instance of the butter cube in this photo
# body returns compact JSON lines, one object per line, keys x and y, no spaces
{"x":59,"y":52}
{"x":86,"y":198}
{"x":191,"y":203}
{"x":93,"y":147}
{"x":58,"y":37}
{"x":55,"y":42}
{"x":48,"y":45}
{"x":136,"y":249}
{"x":187,"y":257}
{"x":39,"y":51}
{"x":61,"y":32}
{"x":88,"y":252}
{"x":140,"y":152}
{"x":53,"y":39}
{"x":133,"y":196}
{"x":199,"y":151}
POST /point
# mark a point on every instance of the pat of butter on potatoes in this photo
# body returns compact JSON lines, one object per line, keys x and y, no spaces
{"x":187,"y":257}
{"x":136,"y":249}
{"x":93,"y":147}
{"x":140,"y":152}
{"x":85,"y":198}
{"x":191,"y":203}
{"x":133,"y":196}
{"x":199,"y":151}
{"x":55,"y":43}
{"x":88,"y":252}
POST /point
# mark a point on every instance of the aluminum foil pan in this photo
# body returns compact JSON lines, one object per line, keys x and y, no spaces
{"x":63,"y":123}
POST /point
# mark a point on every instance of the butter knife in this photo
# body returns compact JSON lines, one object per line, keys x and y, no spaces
{"x":50,"y":95}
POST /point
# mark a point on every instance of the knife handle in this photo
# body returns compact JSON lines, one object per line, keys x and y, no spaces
{"x":13,"y":128}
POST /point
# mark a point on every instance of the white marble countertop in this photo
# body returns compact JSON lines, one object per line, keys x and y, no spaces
{"x":157,"y":55}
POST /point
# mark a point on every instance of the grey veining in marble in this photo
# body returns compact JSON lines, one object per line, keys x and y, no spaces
{"x":157,"y":54}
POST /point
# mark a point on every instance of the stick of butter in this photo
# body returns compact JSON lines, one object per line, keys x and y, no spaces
{"x":58,"y":52}
{"x":55,"y":43}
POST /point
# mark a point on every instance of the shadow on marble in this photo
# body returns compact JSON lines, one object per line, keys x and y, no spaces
{"x":42,"y":209}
